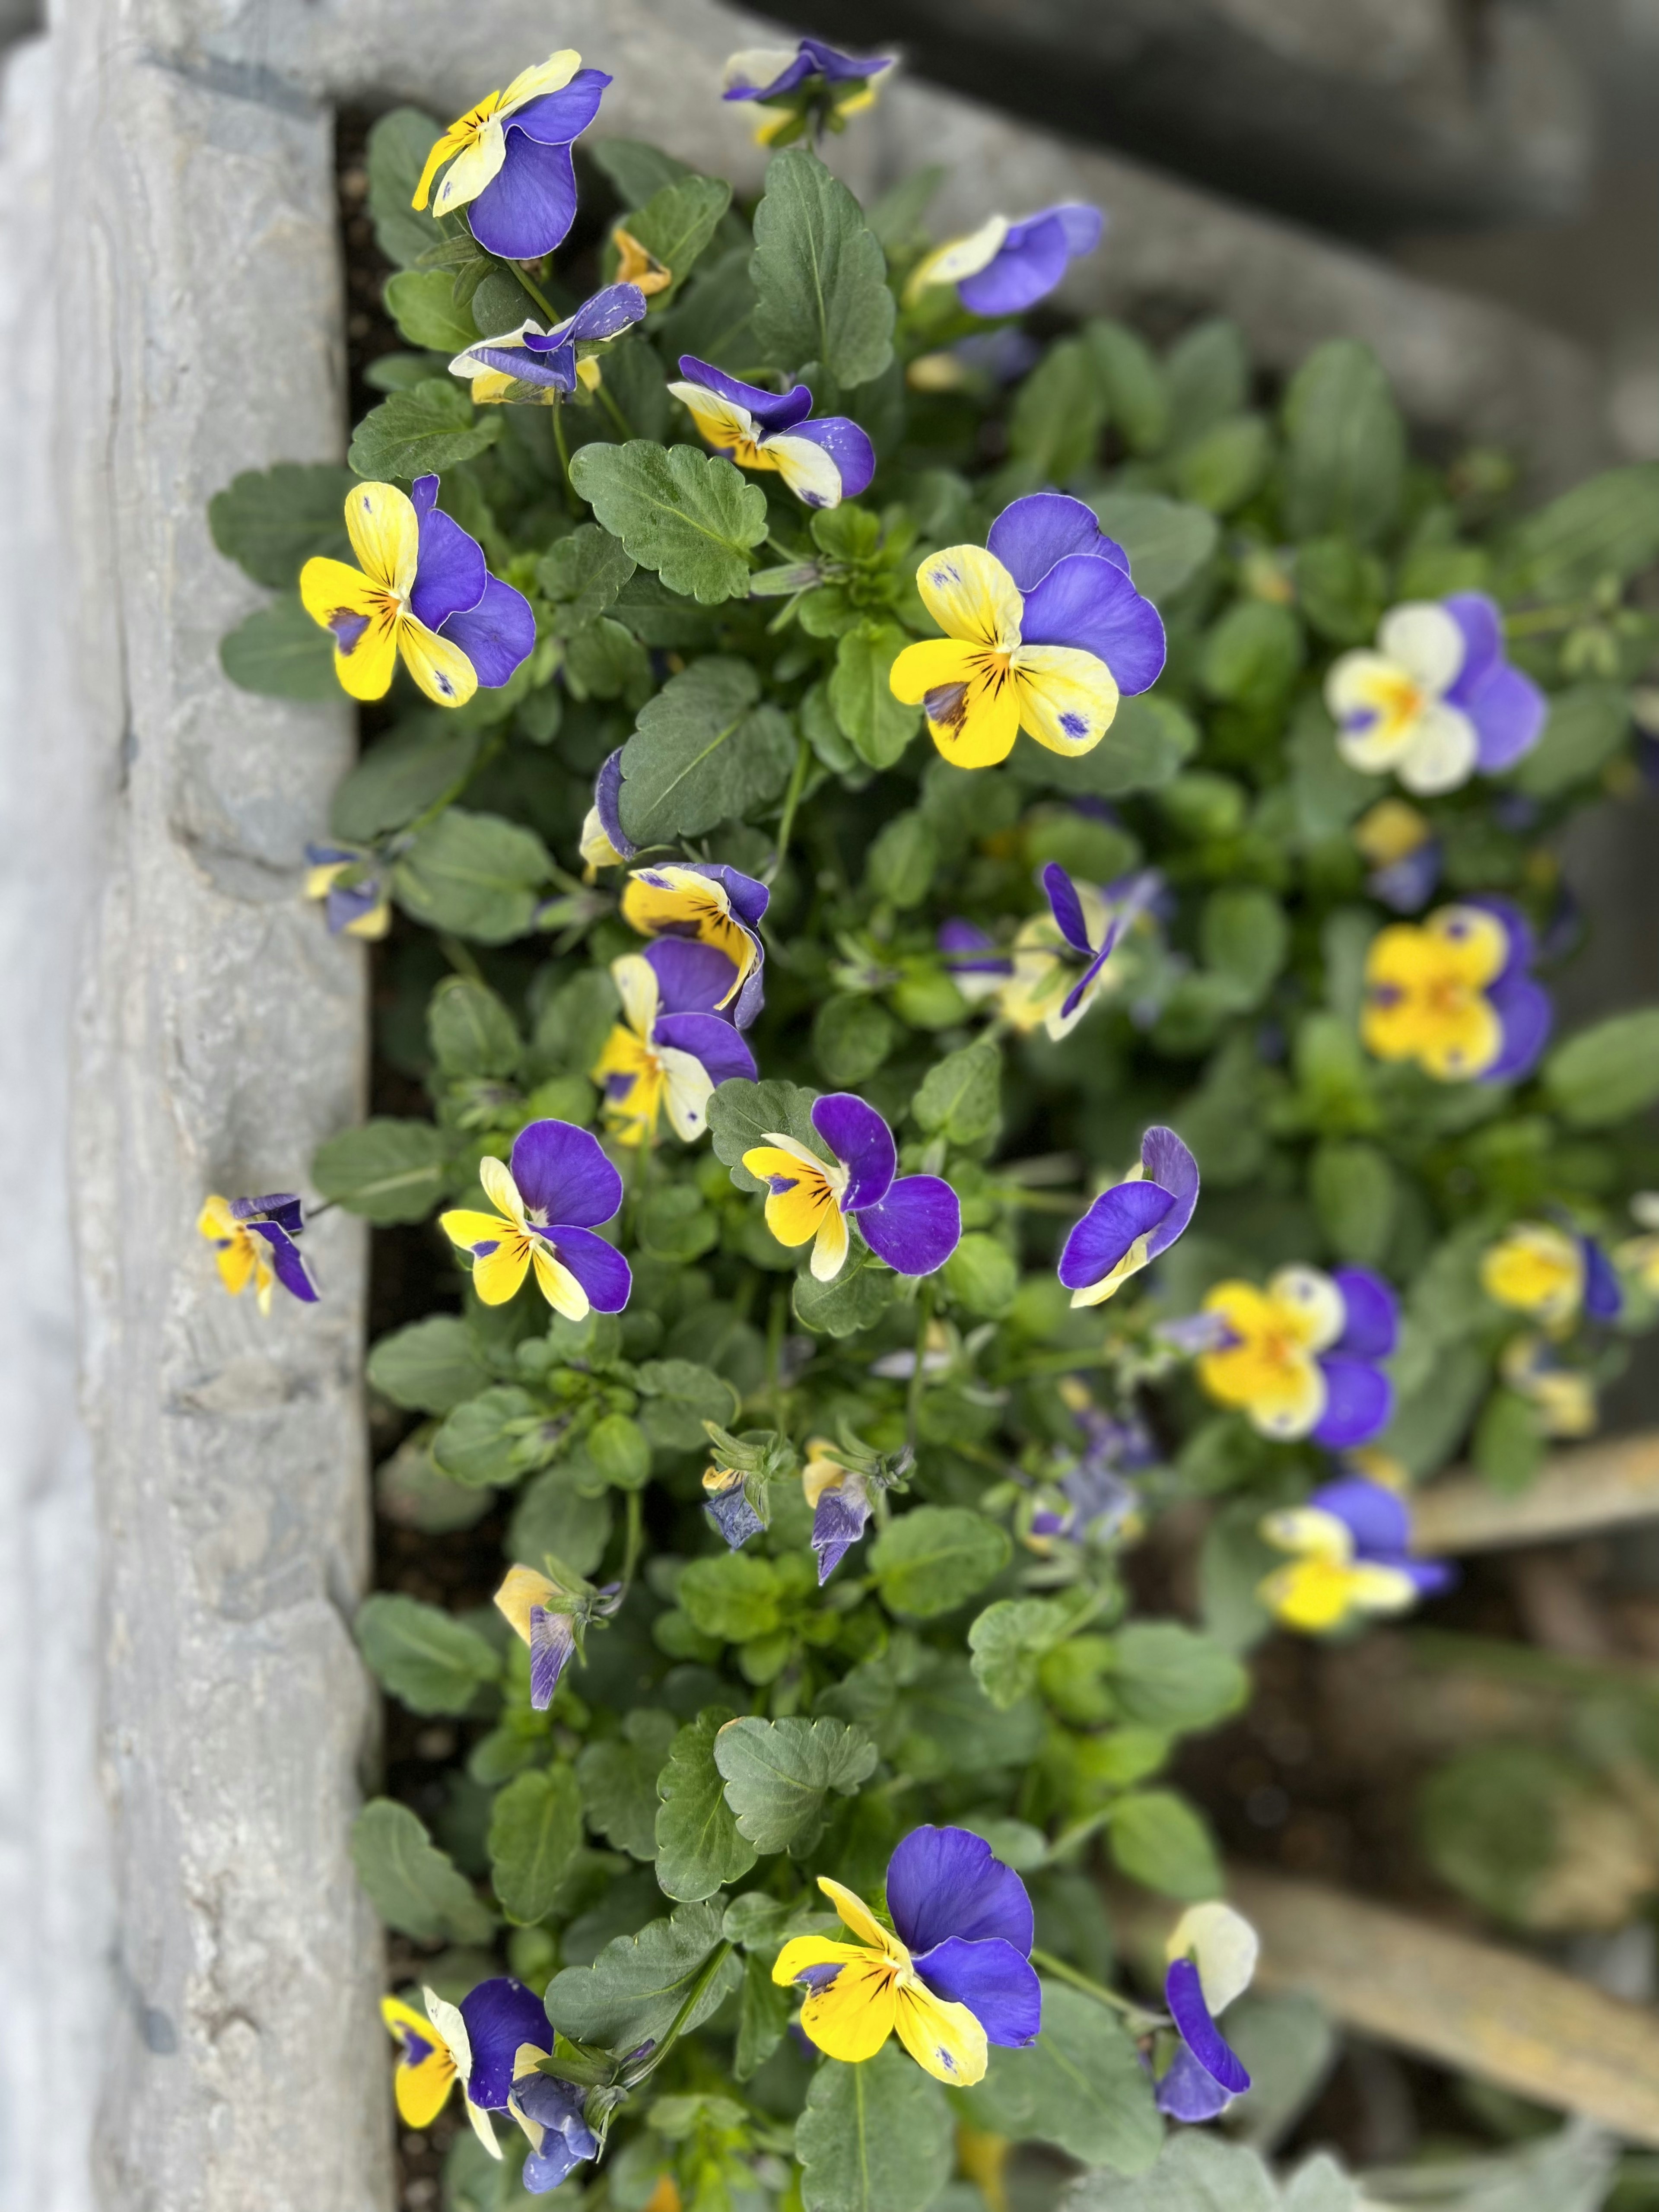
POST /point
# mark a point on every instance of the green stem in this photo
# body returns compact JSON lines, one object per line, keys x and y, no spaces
{"x":717,"y":1958}
{"x":535,"y":292}
{"x":913,"y":1397}
{"x":614,"y":411}
{"x":635,"y":1538}
{"x":1140,"y":2021}
{"x":791,"y":802}
{"x":573,"y":497}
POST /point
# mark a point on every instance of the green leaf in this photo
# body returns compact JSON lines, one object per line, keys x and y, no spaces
{"x":1195,"y":2171}
{"x":1137,"y":394}
{"x":573,"y":1024}
{"x":1160,"y":1841}
{"x":280,"y":652}
{"x":950,"y":1727}
{"x":1170,"y":1677}
{"x":474,"y":875}
{"x":688,"y":516}
{"x":873,"y":722}
{"x":960,"y":1095}
{"x":401,"y":777}
{"x":399,"y":144}
{"x":1356,"y":1195}
{"x":1252,"y":656}
{"x":430,"y":1366}
{"x":384,"y":1170}
{"x":618,"y":1780}
{"x":618,"y":1448}
{"x":1058,"y":414}
{"x":820,"y":278}
{"x":430,"y":1662}
{"x":679,"y":1397}
{"x":779,"y":1775}
{"x":1168,"y":541}
{"x":1148,"y":741}
{"x":1226,"y":466}
{"x":764,"y":2011}
{"x":1245,"y":935}
{"x":851,"y":1037}
{"x":423,"y":304}
{"x":582,"y":574}
{"x":1509,"y":1446}
{"x":411,"y":1492}
{"x":1208,"y":376}
{"x":874,"y":2137}
{"x":535,"y":1834}
{"x":500,"y":303}
{"x":932,"y":1558}
{"x":1607,"y":1073}
{"x":554,"y":1518}
{"x":732,"y":1595}
{"x":637,"y":1984}
{"x":901,"y":859}
{"x":495,"y":1438}
{"x":420,"y":432}
{"x":471,"y":1032}
{"x":1608,"y":526}
{"x":1587,"y":728}
{"x":1339,"y":589}
{"x":743,"y":1114}
{"x":1080,"y":2086}
{"x":636,"y":169}
{"x":414,"y":1886}
{"x":982,"y":1275}
{"x":1344,"y":457}
{"x":703,"y":752}
{"x":699,"y":1850}
{"x":714,"y":319}
{"x":1009,"y":1642}
{"x":271,"y":521}
{"x":676,"y":224}
{"x":855,"y":1300}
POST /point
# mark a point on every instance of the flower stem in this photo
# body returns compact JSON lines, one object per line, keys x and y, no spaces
{"x":615,"y":412}
{"x":535,"y":291}
{"x":717,"y":1958}
{"x":636,"y":1539}
{"x":913,"y":1398}
{"x":791,"y":802}
{"x":573,"y":498}
{"x":1139,"y":2022}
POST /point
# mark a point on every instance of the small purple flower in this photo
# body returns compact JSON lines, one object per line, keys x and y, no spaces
{"x":823,"y":461}
{"x":1211,"y":1955}
{"x":729,"y":1505}
{"x":841,"y":1496}
{"x":558,"y":1188}
{"x":509,"y":159}
{"x":1003,"y":267}
{"x":552,"y":1616}
{"x":977,"y":965}
{"x":670,"y":1051}
{"x":816,"y":86}
{"x":1436,"y":702}
{"x":553,"y":2116}
{"x":547,"y":359}
{"x":913,"y":1223}
{"x":500,"y":2016}
{"x":253,"y":1241}
{"x":359,"y":908}
{"x":1128,"y":1226}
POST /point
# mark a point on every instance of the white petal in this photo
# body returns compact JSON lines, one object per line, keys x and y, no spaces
{"x":1442,"y":751}
{"x":635,"y":980}
{"x":1425,"y":642}
{"x":807,"y":468}
{"x":687,"y":1091}
{"x":1312,"y":1302}
{"x":1222,"y":1944}
{"x":447,"y":2018}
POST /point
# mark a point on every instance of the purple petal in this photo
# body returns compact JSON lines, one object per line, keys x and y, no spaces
{"x":1408,"y":885}
{"x":916,"y":1227}
{"x":732,"y":1515}
{"x":497,"y":634}
{"x":607,"y":798}
{"x":599,"y":1267}
{"x":555,"y":118}
{"x":1091,"y":603}
{"x":750,"y":899}
{"x":862,"y":1142}
{"x":563,"y":1176}
{"x":1183,"y":1992}
{"x":1109,"y":1229}
{"x":530,"y":203}
{"x":1379,"y":1520}
{"x":613,"y":309}
{"x":1522,"y":945}
{"x":450,"y":571}
{"x":1084,"y":983}
{"x":282,"y":1207}
{"x":995,"y":1979}
{"x":1067,"y":908}
{"x":286,"y":1263}
{"x":848,"y":446}
{"x":552,"y":1641}
{"x":1188,"y":2091}
{"x":552,"y":364}
{"x":500,"y":2014}
{"x":1030,"y":536}
{"x":1359,"y":1399}
{"x":1371,"y":1326}
{"x":556,"y":2108}
{"x":972,"y":950}
{"x":711,"y":1040}
{"x":947,"y":1881}
{"x":771,"y":410}
{"x":835,"y":67}
{"x":1030,"y":263}
{"x":1509,"y":713}
{"x":838,"y":1521}
{"x":787,"y":80}
{"x":1169,"y":1166}
{"x":1524,"y":1008}
{"x":1477,"y":615}
{"x":1430,"y":1576}
{"x":1082,"y":225}
{"x":692,"y":978}
{"x":1602,"y":1296}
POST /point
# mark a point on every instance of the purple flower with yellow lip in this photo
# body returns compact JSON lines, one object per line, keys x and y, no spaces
{"x":508,"y":159}
{"x":1003,"y":267}
{"x":1302,"y":1356}
{"x":476,"y":2043}
{"x":1403,"y":854}
{"x":1044,"y":632}
{"x":254,"y":1241}
{"x":545,"y":361}
{"x":1435,"y":701}
{"x":423,"y":592}
{"x":823,"y":461}
{"x":816,"y":86}
{"x":671,"y":1049}
{"x":1456,"y":993}
{"x":1211,"y":1955}
{"x":552,"y":1618}
{"x":952,"y":1976}
{"x":357,"y":908}
{"x":913,"y":1224}
{"x":554,"y":1192}
{"x":1351,"y":1558}
{"x":1128,"y":1226}
{"x":604,"y":843}
{"x":1063,"y":960}
{"x":715,"y":904}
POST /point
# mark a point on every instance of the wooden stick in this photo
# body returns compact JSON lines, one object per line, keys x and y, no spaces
{"x":1595,"y":1486}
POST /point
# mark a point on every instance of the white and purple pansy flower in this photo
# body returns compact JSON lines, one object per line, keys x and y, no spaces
{"x":1128,"y":1226}
{"x":604,"y":843}
{"x":509,"y":160}
{"x":1004,"y":267}
{"x":913,"y":1223}
{"x":476,"y":2043}
{"x":1045,"y":631}
{"x":1436,"y":702}
{"x":347,"y":879}
{"x":550,"y":1198}
{"x":545,"y":361}
{"x":716,"y":905}
{"x":1211,"y":1955}
{"x":816,"y":85}
{"x":254,"y":1241}
{"x":952,"y":1976}
{"x":823,"y":461}
{"x":1351,"y":1558}
{"x":1302,"y":1356}
{"x":551,"y":1617}
{"x":671,"y":1050}
{"x":554,"y":2118}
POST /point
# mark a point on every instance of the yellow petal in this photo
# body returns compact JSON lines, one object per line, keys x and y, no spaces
{"x":855,"y":1914}
{"x":1537,"y":1269}
{"x":363,"y":619}
{"x":535,"y":83}
{"x":969,"y":695}
{"x":1067,"y":698}
{"x":945,"y":2040}
{"x":421,"y":2089}
{"x":958,"y":258}
{"x":463,"y":1226}
{"x":635,"y":980}
{"x":721,"y":421}
{"x":971,"y":596}
{"x":809,"y":471}
{"x":854,"y":2017}
{"x":384,"y":534}
{"x":1307,"y":1307}
{"x":686,"y":1092}
{"x":497,"y":1276}
{"x":801,"y":1952}
{"x":444,"y":148}
{"x":520,"y":1592}
{"x":1473,"y":944}
{"x":1309,"y":1530}
{"x":441,"y":669}
{"x":682,"y":896}
{"x":558,"y":1285}
{"x":477,"y":165}
{"x":829,"y":1246}
{"x":216,"y":1219}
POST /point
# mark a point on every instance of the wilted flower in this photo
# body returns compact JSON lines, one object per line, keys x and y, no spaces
{"x":1128,"y":1226}
{"x":718,"y":906}
{"x":637,"y":264}
{"x":841,"y":1481}
{"x":915,"y":1223}
{"x":543,"y":364}
{"x":816,"y":87}
{"x":552,"y":1617}
{"x":1562,"y":1397}
{"x":552,"y":2114}
{"x":1437,"y":701}
{"x":357,"y":908}
{"x":823,"y":461}
{"x":557,"y":1190}
{"x":604,"y":843}
{"x":1352,"y":1543}
{"x":1062,"y":961}
{"x":253,"y":1241}
{"x":1403,"y":854}
{"x":477,"y":2042}
{"x":509,"y":159}
{"x":729,"y":1503}
{"x":1003,"y":267}
{"x":1454,"y":993}
{"x":978,"y":965}
{"x":1301,"y":1356}
{"x":671,"y":1049}
{"x":1212,"y":1954}
{"x":1638,"y":1256}
{"x":1551,"y":1274}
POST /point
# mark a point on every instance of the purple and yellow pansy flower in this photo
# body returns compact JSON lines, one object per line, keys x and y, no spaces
{"x":1211,"y":1955}
{"x":952,"y":1976}
{"x":913,"y":1223}
{"x":1300,"y":1358}
{"x":254,"y":1241}
{"x":357,"y":908}
{"x":1004,"y":267}
{"x":1436,"y":702}
{"x":529,"y":363}
{"x":1128,"y":1226}
{"x":551,"y":1616}
{"x":1454,"y":994}
{"x":1562,"y":1396}
{"x":816,"y":86}
{"x":423,"y":591}
{"x":1351,"y":1546}
{"x":1045,"y":631}
{"x":822,"y":460}
{"x":1063,"y":962}
{"x":476,"y":2043}
{"x":604,"y":842}
{"x":508,"y":159}
{"x":714,"y":904}
{"x":1551,"y":1274}
{"x":553,"y":2116}
{"x":671,"y":1050}
{"x":551,"y":1196}
{"x":841,"y":1484}
{"x":1403,"y":852}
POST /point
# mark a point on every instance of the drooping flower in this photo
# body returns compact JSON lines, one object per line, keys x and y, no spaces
{"x":556,"y":1190}
{"x":552,"y":1617}
{"x":840,"y":1482}
{"x":1212,"y":1953}
{"x":1455,"y":995}
{"x":543,"y":364}
{"x":728,"y":1500}
{"x":1128,"y":1226}
{"x":983,"y":357}
{"x":604,"y":843}
{"x":1436,"y":701}
{"x":1562,"y":1396}
{"x":1300,"y":1358}
{"x":1044,"y":632}
{"x":952,"y":1977}
{"x":1351,"y":1558}
{"x":1004,"y":267}
{"x":253,"y":1241}
{"x":358,"y":909}
{"x":915,"y":1223}
{"x":671,"y":1048}
{"x":423,"y":591}
{"x":717,"y":906}
{"x":553,"y":2116}
{"x":637,"y":264}
{"x":509,"y":159}
{"x":823,"y":461}
{"x":1403,"y":854}
{"x":477,"y":2042}
{"x":1551,"y":1274}
{"x":816,"y":87}
{"x":1063,"y":961}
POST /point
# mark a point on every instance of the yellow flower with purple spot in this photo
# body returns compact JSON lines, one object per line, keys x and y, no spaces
{"x":1551,"y":1274}
{"x":551,"y":1616}
{"x":254,"y":1241}
{"x":549,"y":1199}
{"x":1454,"y":993}
{"x":481,"y":2043}
{"x":1301,"y":1357}
{"x":712,"y":903}
{"x":912,"y":1221}
{"x":822,"y":460}
{"x":348,"y":881}
{"x":671,"y":1050}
